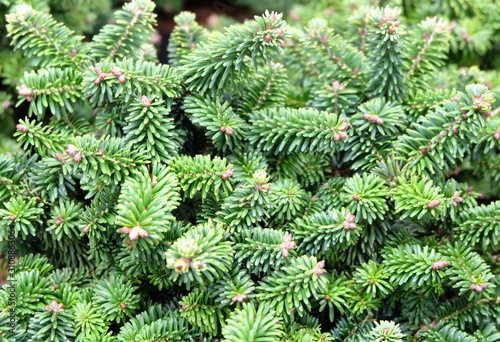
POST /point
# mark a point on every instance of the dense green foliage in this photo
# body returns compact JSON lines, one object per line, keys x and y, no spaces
{"x":274,"y":182}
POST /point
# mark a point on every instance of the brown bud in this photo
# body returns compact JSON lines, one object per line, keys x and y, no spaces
{"x":391,"y":30}
{"x":123,"y":306}
{"x":424,"y":151}
{"x":59,"y":157}
{"x":456,"y":131}
{"x":58,"y":222}
{"x":153,"y":183}
{"x":97,"y":70}
{"x":336,"y":59}
{"x":268,"y":37}
{"x":121,"y":79}
{"x":356,"y":197}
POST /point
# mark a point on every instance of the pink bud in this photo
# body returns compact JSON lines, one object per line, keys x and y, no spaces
{"x":97,"y":70}
{"x":223,"y":129}
{"x":335,"y":85}
{"x":268,"y":37}
{"x":59,"y":157}
{"x":78,"y":157}
{"x":433,"y":204}
{"x":336,"y":137}
{"x":85,"y":230}
{"x":71,"y":150}
{"x":58,"y":222}
{"x":371,"y":281}
{"x":327,"y":298}
{"x":356,"y":197}
{"x":229,"y":131}
{"x":184,"y":307}
{"x":285,"y":253}
{"x":12,"y":217}
{"x":121,"y":79}
{"x":145,"y":101}
{"x":425,"y":36}
{"x":391,"y":30}
{"x":153,"y":184}
{"x":125,"y":230}
{"x":22,"y":128}
{"x":355,"y":71}
{"x":123,"y":306}
{"x":143,"y":233}
{"x":134,"y":234}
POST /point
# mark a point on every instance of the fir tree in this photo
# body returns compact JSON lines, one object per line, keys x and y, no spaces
{"x":276,"y":181}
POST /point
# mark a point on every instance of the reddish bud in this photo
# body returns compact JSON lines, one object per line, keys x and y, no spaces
{"x":272,"y":16}
{"x":153,"y":184}
{"x":371,"y":281}
{"x":456,"y":131}
{"x":223,"y":129}
{"x":391,"y":30}
{"x":268,"y":37}
{"x":130,"y":248}
{"x":123,"y":306}
{"x":73,"y":53}
{"x":122,"y":79}
{"x":59,"y":217}
{"x":58,"y":222}
{"x":327,"y":298}
{"x":12,"y":217}
{"x":356,"y":197}
{"x":355,"y":71}
{"x":229,"y":131}
{"x":85,"y":230}
{"x":184,"y":307}
{"x":425,"y":36}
